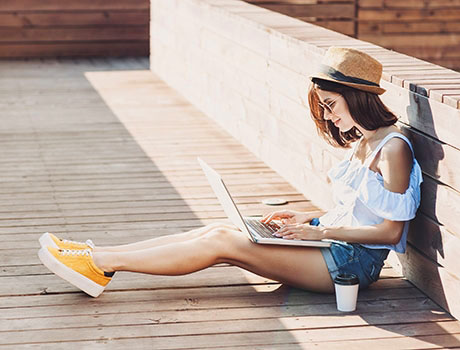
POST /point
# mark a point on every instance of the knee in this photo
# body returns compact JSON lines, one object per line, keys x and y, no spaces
{"x":214,"y":225}
{"x":220,"y":235}
{"x":220,"y":226}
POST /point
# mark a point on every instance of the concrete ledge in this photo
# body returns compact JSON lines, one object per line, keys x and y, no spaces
{"x":247,"y":68}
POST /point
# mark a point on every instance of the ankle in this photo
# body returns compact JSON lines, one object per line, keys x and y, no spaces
{"x":102,"y":261}
{"x":103,"y":250}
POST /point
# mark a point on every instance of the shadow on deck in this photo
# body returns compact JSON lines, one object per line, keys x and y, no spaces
{"x":104,"y":149}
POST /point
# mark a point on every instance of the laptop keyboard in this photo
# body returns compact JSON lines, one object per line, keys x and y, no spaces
{"x":265,"y":230}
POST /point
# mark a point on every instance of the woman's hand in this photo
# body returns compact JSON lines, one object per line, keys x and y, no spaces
{"x":289,"y":217}
{"x":300,"y":231}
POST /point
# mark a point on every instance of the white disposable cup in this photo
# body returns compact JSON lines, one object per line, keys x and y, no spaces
{"x":346,"y":292}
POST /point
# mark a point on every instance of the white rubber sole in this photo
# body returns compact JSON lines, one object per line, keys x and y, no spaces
{"x":78,"y":280}
{"x":46,"y":241}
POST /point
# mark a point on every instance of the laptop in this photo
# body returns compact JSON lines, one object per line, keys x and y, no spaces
{"x":257,"y":231}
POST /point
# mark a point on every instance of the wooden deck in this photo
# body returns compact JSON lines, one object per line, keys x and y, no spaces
{"x":104,"y":149}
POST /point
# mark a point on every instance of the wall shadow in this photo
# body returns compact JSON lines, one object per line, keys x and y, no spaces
{"x":419,"y":264}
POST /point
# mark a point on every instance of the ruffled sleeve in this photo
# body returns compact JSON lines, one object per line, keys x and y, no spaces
{"x":392,"y":205}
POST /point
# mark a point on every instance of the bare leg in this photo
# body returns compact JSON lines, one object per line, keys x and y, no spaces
{"x":297,"y":266}
{"x":163,"y":240}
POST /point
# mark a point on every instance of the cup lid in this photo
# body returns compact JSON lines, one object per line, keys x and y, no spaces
{"x":346,"y":279}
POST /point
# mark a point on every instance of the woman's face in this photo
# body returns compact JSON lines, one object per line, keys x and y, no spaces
{"x":336,"y":110}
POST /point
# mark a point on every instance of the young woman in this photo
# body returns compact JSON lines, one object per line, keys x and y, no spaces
{"x":376,"y":191}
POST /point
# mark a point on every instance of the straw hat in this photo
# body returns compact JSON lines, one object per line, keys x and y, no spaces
{"x":352,"y":68}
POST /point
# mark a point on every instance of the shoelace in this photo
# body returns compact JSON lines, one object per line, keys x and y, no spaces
{"x":82,"y":252}
{"x":88,"y":242}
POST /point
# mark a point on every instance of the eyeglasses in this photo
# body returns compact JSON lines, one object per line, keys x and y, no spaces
{"x":328,"y":106}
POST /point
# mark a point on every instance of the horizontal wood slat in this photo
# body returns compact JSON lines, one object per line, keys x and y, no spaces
{"x":88,"y":49}
{"x":423,"y":29}
{"x":409,"y":3}
{"x":343,"y":26}
{"x":433,"y":279}
{"x":70,"y":19}
{"x":315,"y":10}
{"x":81,"y":5}
{"x":335,"y":15}
{"x":382,"y":15}
{"x":375,"y":27}
{"x":415,"y":40}
{"x":50,"y":28}
{"x":37,"y":35}
{"x":300,"y":2}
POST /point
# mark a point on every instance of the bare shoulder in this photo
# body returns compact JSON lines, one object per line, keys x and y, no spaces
{"x":396,"y":150}
{"x":395,"y":164}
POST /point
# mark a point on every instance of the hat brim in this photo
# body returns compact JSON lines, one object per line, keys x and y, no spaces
{"x":373,"y":89}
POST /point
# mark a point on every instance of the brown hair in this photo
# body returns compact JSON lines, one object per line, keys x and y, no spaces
{"x":365,"y":108}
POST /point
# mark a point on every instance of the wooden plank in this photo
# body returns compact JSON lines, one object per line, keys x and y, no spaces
{"x":290,"y":319}
{"x":344,"y":27}
{"x":89,"y":49}
{"x":103,"y":33}
{"x":55,"y":19}
{"x":315,"y":10}
{"x":370,"y":3}
{"x":440,"y":203}
{"x":404,"y":28}
{"x":243,"y":306}
{"x":446,"y":92}
{"x":37,"y":284}
{"x":259,"y":343}
{"x":399,"y":78}
{"x":431,"y":53}
{"x":424,"y":88}
{"x":438,"y":160}
{"x":236,"y":296}
{"x":442,"y":95}
{"x":422,"y":27}
{"x":296,"y":318}
{"x":40,"y":283}
{"x":452,"y":100}
{"x":230,"y":333}
{"x":422,"y":5}
{"x":436,"y":243}
{"x":56,"y":5}
{"x":442,"y":14}
{"x":297,"y":2}
{"x":434,"y":280}
{"x":415,"y":40}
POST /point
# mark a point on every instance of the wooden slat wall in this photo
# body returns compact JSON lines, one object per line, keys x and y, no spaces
{"x":429,"y":30}
{"x":56,"y":28}
{"x":337,"y":15}
{"x":253,"y":80}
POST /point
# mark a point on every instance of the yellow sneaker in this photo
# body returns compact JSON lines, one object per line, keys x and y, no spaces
{"x":76,"y":267}
{"x":49,"y":240}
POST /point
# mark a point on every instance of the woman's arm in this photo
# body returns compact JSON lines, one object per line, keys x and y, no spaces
{"x":395,"y":165}
{"x":388,"y":232}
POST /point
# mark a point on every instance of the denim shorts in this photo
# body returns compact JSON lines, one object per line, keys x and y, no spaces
{"x":342,"y":257}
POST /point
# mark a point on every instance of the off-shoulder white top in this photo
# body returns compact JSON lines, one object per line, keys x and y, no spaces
{"x":361,"y":199}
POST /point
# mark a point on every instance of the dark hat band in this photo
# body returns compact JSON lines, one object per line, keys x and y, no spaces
{"x":335,"y":74}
